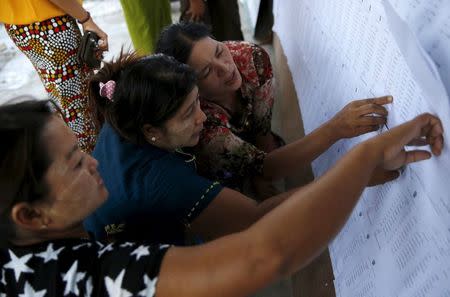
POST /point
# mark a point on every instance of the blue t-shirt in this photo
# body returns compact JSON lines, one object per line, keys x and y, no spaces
{"x":153,"y":194}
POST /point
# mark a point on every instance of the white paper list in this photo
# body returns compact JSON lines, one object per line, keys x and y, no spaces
{"x":397,"y":240}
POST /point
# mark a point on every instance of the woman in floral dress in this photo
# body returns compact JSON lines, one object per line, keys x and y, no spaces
{"x":235,"y":84}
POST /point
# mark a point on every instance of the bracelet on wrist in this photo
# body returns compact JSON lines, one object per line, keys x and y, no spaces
{"x":87,"y":18}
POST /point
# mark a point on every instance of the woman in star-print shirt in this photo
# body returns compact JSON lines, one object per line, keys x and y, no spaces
{"x":235,"y":83}
{"x":49,"y":186}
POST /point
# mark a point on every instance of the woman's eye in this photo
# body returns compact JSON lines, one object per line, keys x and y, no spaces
{"x":206,"y":73}
{"x":79,"y":164}
{"x":194,"y":106}
{"x":188,"y":113}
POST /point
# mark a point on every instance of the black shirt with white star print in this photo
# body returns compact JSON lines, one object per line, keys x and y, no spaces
{"x":81,"y":268}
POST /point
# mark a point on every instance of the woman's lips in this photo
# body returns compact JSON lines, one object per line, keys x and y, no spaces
{"x":197,"y":134}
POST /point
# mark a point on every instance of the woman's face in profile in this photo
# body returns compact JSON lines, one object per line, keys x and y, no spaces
{"x":76,"y":188}
{"x":183,"y":129}
{"x":217,"y":73}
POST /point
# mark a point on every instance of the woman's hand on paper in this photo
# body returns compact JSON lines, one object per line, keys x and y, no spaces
{"x":425,"y":129}
{"x":360,"y":117}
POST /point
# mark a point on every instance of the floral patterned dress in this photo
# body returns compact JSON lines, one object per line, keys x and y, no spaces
{"x":227,"y":151}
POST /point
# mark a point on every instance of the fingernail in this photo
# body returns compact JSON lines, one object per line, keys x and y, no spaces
{"x":390,"y":99}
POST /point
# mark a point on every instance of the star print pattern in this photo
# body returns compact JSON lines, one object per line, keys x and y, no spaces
{"x":88,"y":244}
{"x":150,"y":286}
{"x":72,"y":277}
{"x":3,"y":280}
{"x":115,"y":288}
{"x":50,"y":253}
{"x":73,"y":268}
{"x":89,"y":288}
{"x":30,"y":292}
{"x":18,"y":264}
{"x":108,"y":248}
{"x":140,"y":252}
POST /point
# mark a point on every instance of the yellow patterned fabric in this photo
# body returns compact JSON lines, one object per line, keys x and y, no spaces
{"x":51,"y":46}
{"x":20,"y":12}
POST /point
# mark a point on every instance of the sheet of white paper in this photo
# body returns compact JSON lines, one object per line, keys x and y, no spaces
{"x":397,"y":240}
{"x":430,"y":21}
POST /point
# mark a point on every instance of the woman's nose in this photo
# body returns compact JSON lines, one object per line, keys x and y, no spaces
{"x":93,"y":164}
{"x":222,"y":68}
{"x":201,"y":116}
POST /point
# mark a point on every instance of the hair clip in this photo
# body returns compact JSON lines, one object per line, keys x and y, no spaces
{"x":107,"y":89}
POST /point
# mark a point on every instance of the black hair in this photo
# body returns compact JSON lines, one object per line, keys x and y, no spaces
{"x":177,"y":40}
{"x":149,"y":90}
{"x":24,"y":159}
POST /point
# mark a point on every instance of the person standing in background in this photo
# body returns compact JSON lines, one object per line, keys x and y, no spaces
{"x":46,"y":31}
{"x":264,"y":22}
{"x":222,"y":16}
{"x":145,"y":19}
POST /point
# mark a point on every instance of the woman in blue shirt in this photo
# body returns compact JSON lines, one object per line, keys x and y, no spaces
{"x":151,"y":110}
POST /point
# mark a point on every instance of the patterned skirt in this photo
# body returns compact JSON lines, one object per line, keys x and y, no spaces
{"x":51,"y":46}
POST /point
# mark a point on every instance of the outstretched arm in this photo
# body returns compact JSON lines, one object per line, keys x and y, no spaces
{"x":356,"y":118}
{"x":291,"y":235}
{"x":232,"y":212}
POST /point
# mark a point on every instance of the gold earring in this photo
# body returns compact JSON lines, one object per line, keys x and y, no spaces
{"x":153,"y":138}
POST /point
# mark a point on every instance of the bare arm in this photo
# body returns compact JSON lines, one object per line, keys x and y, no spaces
{"x":286,"y":160}
{"x":266,"y":142}
{"x":295,"y":232}
{"x":76,"y":10}
{"x":354,"y":119}
{"x":232,"y":212}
